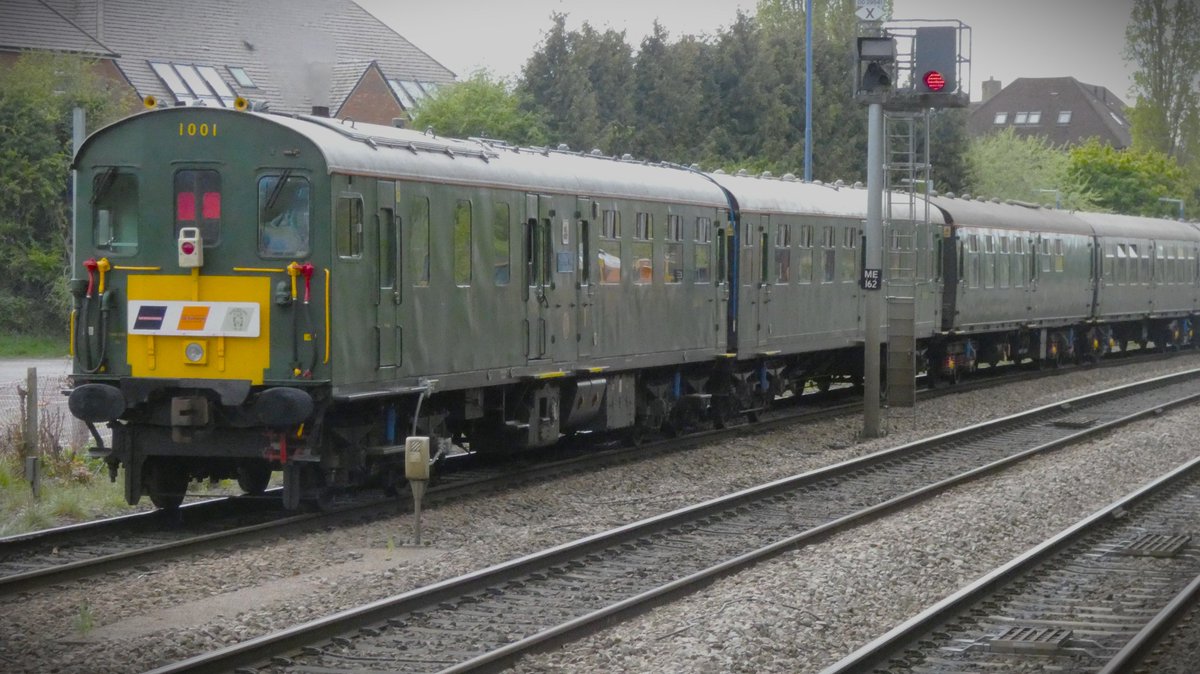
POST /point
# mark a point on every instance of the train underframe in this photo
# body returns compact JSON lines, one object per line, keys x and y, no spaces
{"x":173,"y":435}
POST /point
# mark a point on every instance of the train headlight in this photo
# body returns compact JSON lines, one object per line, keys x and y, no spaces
{"x":195,"y":353}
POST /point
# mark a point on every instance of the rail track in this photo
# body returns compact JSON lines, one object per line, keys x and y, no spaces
{"x":1096,"y":598}
{"x":484,"y":619}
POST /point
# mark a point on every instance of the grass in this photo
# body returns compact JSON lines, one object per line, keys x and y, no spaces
{"x":62,"y":501}
{"x":33,"y":346}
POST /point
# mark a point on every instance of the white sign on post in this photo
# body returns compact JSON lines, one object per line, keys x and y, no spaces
{"x":869,"y":10}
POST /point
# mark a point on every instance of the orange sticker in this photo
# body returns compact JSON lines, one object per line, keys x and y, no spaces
{"x":193,"y":318}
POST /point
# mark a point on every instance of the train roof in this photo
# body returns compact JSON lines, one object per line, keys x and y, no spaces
{"x":758,"y":194}
{"x":392,"y":152}
{"x":1132,"y":226}
{"x":1010,"y":215}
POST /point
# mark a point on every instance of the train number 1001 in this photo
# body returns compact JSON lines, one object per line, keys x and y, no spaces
{"x":194,"y":129}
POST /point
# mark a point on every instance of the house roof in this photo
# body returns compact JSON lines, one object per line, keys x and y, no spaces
{"x":1094,"y":111}
{"x":33,"y":24}
{"x":297,"y":53}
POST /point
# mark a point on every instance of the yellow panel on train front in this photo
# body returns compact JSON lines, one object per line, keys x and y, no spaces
{"x":199,"y":327}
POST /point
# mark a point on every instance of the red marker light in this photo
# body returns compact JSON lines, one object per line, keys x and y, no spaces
{"x":934,"y":81}
{"x":187,"y":247}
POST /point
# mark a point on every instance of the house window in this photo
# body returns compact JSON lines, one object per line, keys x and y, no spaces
{"x":1001,"y":118}
{"x":194,"y":84}
{"x":241,"y":77}
{"x":1021,"y":118}
{"x":1064,"y":116}
{"x":1035,"y":117}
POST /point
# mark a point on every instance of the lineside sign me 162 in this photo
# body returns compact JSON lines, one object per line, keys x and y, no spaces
{"x":872,"y":279}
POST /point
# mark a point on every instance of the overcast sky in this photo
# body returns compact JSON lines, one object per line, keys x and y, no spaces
{"x":1010,"y":38}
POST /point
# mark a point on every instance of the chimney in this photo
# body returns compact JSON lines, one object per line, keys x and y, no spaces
{"x":990,"y":88}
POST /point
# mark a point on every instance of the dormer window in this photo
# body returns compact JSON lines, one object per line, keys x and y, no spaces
{"x":1001,"y":118}
{"x":1064,"y":116}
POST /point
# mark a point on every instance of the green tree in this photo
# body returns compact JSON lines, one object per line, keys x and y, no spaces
{"x":1163,"y":41}
{"x":37,"y":94}
{"x":480,"y":106}
{"x":1127,"y":181}
{"x":1007,"y":166}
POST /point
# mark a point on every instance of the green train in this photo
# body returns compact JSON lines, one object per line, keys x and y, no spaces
{"x":258,"y":292}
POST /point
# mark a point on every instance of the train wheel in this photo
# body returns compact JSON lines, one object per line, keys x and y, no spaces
{"x":253,"y":476}
{"x":166,"y":483}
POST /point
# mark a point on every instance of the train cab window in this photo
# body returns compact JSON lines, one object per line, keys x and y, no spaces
{"x":673,"y":250}
{"x":827,"y":243}
{"x":702,"y":253}
{"x":418,"y":248}
{"x":501,"y":228}
{"x":198,"y":203}
{"x":283,"y":212}
{"x":805,"y":253}
{"x":348,"y":227}
{"x":462,"y":243}
{"x":783,"y":254}
{"x":115,"y":212}
{"x":609,"y":253}
{"x":643,"y":249}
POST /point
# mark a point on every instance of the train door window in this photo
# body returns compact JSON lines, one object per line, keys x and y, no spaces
{"x":1109,"y":255}
{"x":702,"y":253}
{"x":115,"y":212}
{"x":643,"y":249}
{"x":418,"y":248}
{"x":722,"y":255}
{"x":1144,"y":274}
{"x":348,"y":227}
{"x":501,"y":250}
{"x":988,"y":262}
{"x":764,"y":253}
{"x":830,"y":254}
{"x":283,"y":215}
{"x":1159,"y":262}
{"x":609,"y":253}
{"x":1018,"y":262}
{"x":849,"y":262}
{"x":783,"y":253}
{"x":1060,"y":259}
{"x":1122,"y":264}
{"x":805,"y":252}
{"x":1002,"y":265}
{"x":198,"y":203}
{"x":673,"y":250}
{"x":385,"y":224}
{"x":1044,"y":253}
{"x":585,"y":257}
{"x":462,"y":243}
{"x":972,"y":260}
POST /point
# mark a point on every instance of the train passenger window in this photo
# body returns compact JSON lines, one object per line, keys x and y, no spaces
{"x":1019,"y":269}
{"x":348,"y":227}
{"x":198,"y":203}
{"x":1060,"y":260}
{"x":1002,"y":265}
{"x":115,"y":212}
{"x":849,"y":261}
{"x":462,"y":243}
{"x":1122,"y":264}
{"x":283,"y":212}
{"x":1160,"y":261}
{"x":783,"y":253}
{"x":501,"y":228}
{"x":1047,"y":262}
{"x":418,"y":221}
{"x":805,"y":253}
{"x":827,"y":242}
{"x":1144,"y":274}
{"x":643,"y":249}
{"x":703,"y":250}
{"x":1109,"y":255}
{"x":673,"y":250}
{"x":609,"y":253}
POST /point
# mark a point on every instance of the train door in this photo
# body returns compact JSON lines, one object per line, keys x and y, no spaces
{"x":724,"y":290}
{"x":549,"y":280}
{"x":387,"y":297}
{"x":585,"y":214}
{"x":755,"y":291}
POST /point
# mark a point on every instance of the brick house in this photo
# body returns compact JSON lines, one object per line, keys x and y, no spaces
{"x":290,"y":55}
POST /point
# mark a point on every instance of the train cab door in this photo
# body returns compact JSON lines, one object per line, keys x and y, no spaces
{"x":550,"y":276}
{"x":387,"y":297}
{"x":586,"y":211}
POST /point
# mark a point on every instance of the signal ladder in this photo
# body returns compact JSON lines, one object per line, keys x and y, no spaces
{"x":907,"y":245}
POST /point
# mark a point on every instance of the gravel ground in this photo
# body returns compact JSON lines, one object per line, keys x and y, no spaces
{"x":799,"y":612}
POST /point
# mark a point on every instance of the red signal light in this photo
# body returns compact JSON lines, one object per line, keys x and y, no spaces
{"x":934,"y":81}
{"x":187,"y":247}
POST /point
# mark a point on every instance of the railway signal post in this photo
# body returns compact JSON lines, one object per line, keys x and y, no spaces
{"x":927,"y":73}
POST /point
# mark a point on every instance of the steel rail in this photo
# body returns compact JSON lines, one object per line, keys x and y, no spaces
{"x":263,"y":648}
{"x":1145,"y":640}
{"x":878,"y":651}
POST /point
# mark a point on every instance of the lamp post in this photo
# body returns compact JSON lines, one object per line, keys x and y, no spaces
{"x":1170,"y":200}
